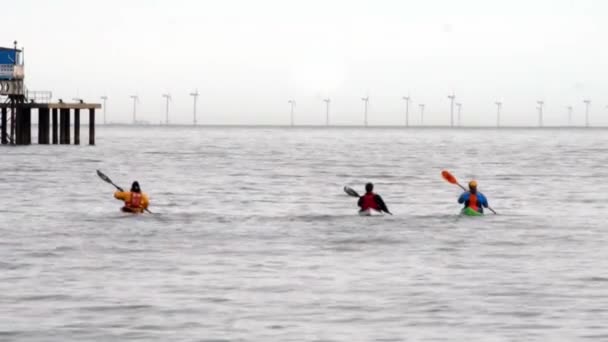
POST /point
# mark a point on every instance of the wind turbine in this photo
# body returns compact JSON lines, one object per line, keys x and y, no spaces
{"x":366,"y":101}
{"x":135,"y":101}
{"x":458,"y":109}
{"x":587,"y":103}
{"x":292,"y":104}
{"x":407,"y":110}
{"x":167,"y":99}
{"x":540,"y":112}
{"x":195,"y":96}
{"x":421,"y":114}
{"x":104,"y":98}
{"x":569,"y":115}
{"x":452,"y":98}
{"x":327,"y":102}
{"x":498,"y":108}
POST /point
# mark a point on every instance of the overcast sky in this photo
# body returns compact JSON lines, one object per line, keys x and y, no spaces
{"x":248,"y":58}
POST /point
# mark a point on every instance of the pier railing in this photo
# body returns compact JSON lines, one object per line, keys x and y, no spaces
{"x":38,"y":96}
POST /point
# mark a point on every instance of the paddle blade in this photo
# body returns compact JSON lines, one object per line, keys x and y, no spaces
{"x":448,"y":177}
{"x":107,"y":180}
{"x":350,"y":192}
{"x":104,"y":177}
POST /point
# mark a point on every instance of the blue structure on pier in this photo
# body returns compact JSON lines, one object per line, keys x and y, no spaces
{"x":11,"y":63}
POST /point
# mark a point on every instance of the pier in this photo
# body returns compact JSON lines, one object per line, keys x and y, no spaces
{"x":54,"y":119}
{"x":54,"y":122}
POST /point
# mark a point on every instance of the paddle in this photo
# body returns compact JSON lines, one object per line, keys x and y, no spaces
{"x":350,"y":192}
{"x":108,"y":180}
{"x":451,"y":179}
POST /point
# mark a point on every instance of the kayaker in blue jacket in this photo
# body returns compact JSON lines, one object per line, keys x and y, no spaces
{"x":474,"y":199}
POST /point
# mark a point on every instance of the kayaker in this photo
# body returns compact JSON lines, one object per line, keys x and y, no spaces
{"x":371,"y":200}
{"x":473,"y":199}
{"x":135,"y":200}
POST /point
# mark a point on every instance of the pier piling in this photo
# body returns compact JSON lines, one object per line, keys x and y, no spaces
{"x":55,"y":126}
{"x":76,"y":126}
{"x":64,"y":126}
{"x":23,"y":130}
{"x":27,"y":126}
{"x":91,"y":126}
{"x":3,"y":128}
{"x":43,"y":126}
{"x":17,"y":122}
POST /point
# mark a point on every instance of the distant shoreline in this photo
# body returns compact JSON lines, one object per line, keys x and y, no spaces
{"x":371,"y":127}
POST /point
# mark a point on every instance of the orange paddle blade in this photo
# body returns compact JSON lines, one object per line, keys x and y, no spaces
{"x":448,"y":177}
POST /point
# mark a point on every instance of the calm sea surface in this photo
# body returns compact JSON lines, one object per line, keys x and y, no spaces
{"x":253,"y":239}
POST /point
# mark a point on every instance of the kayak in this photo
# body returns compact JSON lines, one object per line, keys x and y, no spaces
{"x":370,"y":212}
{"x":129,"y":211}
{"x":470,"y":212}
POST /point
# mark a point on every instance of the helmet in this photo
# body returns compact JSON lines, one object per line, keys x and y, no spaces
{"x":135,"y":187}
{"x":369,"y":187}
{"x":473,"y":184}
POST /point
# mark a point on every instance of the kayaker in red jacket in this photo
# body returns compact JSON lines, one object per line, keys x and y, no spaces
{"x":371,"y":200}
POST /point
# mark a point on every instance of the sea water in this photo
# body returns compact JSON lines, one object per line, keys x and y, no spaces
{"x":253,"y":239}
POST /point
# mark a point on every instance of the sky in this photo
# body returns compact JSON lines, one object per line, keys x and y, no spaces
{"x":248,"y":58}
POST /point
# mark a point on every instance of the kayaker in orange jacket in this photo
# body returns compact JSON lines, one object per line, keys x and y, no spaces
{"x":135,"y":200}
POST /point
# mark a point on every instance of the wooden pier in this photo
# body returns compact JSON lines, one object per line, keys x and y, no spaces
{"x":50,"y":126}
{"x":18,"y":102}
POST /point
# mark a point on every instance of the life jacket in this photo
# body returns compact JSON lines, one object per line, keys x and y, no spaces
{"x":473,"y":203}
{"x":135,"y":201}
{"x":369,"y":201}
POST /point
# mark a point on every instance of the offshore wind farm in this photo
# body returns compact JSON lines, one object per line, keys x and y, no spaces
{"x":452,"y":113}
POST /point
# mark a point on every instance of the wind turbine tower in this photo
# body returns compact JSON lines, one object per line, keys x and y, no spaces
{"x":195,"y":96}
{"x":540,"y":112}
{"x":569,"y":115}
{"x":167,"y":100}
{"x":327,"y":102}
{"x":292,"y":104}
{"x":421,"y":114}
{"x":498,"y":108}
{"x":365,"y":101}
{"x":407,"y":110}
{"x":452,"y":98}
{"x":587,"y":103}
{"x":104,"y":99}
{"x":135,"y":101}
{"x":458,"y":111}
